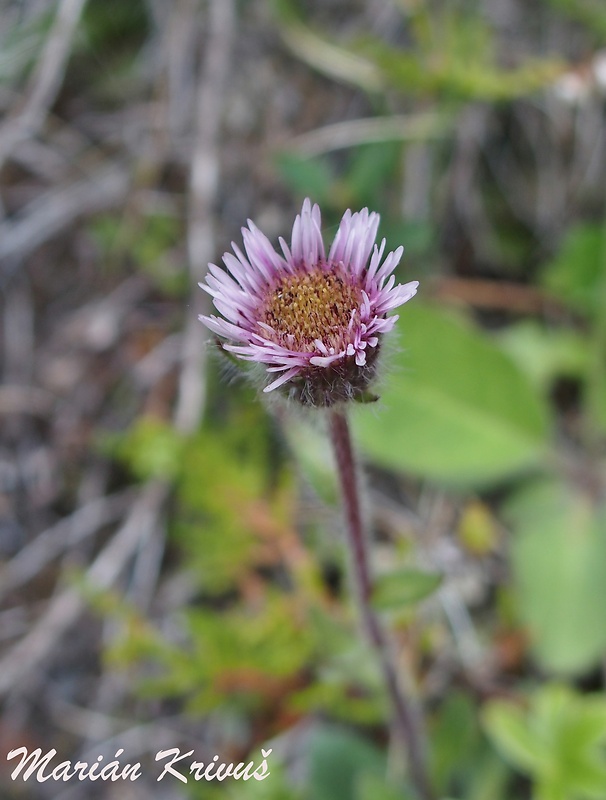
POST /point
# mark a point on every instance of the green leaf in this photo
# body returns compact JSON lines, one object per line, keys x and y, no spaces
{"x":458,"y":65}
{"x":105,"y":26}
{"x":420,"y":236}
{"x":372,"y":166}
{"x":551,"y":790}
{"x":552,"y":742}
{"x":403,"y":587}
{"x":546,"y":353}
{"x":558,"y":556}
{"x":507,"y":727}
{"x":306,"y":176}
{"x":151,"y":448}
{"x":338,"y":760}
{"x":577,"y":273}
{"x":454,"y":741}
{"x":455,"y":407}
{"x":589,"y":728}
{"x":588,"y":12}
{"x":488,"y":779}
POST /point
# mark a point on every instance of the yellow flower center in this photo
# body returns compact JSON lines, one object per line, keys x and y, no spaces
{"x":315,"y":305}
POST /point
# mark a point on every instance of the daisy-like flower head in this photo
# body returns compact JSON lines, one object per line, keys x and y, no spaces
{"x":314,"y":321}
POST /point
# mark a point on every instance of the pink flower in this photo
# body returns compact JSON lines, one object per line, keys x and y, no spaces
{"x":316,"y":321}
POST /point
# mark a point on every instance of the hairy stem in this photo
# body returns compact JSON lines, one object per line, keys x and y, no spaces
{"x":405,"y":713}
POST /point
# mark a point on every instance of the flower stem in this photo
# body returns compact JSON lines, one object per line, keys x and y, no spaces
{"x":405,"y":713}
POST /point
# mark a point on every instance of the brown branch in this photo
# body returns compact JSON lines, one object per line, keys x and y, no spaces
{"x":504,"y":295}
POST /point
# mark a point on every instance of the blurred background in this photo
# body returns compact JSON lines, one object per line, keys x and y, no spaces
{"x":171,"y":567}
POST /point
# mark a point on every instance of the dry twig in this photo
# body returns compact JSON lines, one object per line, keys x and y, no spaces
{"x":57,"y":209}
{"x":203,"y":188}
{"x":410,"y":127}
{"x":26,"y":657}
{"x":68,"y":532}
{"x":46,"y":79}
{"x":25,"y":400}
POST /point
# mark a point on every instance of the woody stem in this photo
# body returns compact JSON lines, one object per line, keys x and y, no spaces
{"x":405,"y":713}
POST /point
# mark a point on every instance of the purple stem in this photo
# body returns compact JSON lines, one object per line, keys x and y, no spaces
{"x":405,"y":714}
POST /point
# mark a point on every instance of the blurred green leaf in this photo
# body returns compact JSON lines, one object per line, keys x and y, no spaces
{"x":152,"y":448}
{"x":419,"y":236}
{"x":403,"y":587}
{"x":235,"y":660}
{"x":520,"y":745}
{"x":107,"y":231}
{"x":488,"y":779}
{"x":577,"y":274}
{"x":151,"y":239}
{"x":454,"y":407}
{"x":336,"y":699}
{"x":371,"y":166}
{"x":454,"y":57}
{"x":338,"y":761}
{"x":558,"y":741}
{"x":462,"y":762}
{"x":308,"y":177}
{"x":224,"y":479}
{"x":558,"y":555}
{"x":110,"y":25}
{"x":545,"y":353}
{"x":589,"y":12}
{"x":454,"y":738}
{"x":349,"y":686}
